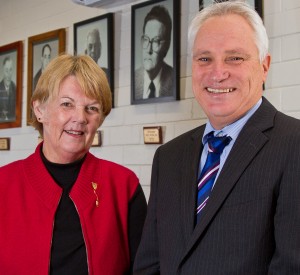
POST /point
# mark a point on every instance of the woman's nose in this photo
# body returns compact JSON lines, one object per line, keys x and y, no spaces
{"x":80,"y":115}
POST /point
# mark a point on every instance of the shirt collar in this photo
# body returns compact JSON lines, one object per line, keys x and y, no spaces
{"x":232,"y":129}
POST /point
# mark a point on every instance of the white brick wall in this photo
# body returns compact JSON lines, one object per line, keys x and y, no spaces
{"x":282,"y":20}
{"x":122,"y":132}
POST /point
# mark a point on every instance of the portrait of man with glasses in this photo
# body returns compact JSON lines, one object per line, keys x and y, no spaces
{"x":154,"y":78}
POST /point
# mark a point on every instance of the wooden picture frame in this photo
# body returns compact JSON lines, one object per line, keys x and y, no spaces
{"x":160,"y":64}
{"x":95,"y":38}
{"x":42,"y":49}
{"x":258,"y":4}
{"x":11,"y":68}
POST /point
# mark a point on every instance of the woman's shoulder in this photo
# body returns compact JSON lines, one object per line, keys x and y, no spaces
{"x":10,"y":167}
{"x":11,"y":176}
{"x":111,"y":168}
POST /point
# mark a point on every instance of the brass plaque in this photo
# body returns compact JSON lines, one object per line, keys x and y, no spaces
{"x":153,"y":135}
{"x":97,"y":141}
{"x":4,"y":144}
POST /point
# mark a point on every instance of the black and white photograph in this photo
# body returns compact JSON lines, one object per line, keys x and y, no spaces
{"x":94,"y":37}
{"x":11,"y":85}
{"x":155,"y":46}
{"x":257,"y":4}
{"x":43,"y":53}
{"x":42,"y":49}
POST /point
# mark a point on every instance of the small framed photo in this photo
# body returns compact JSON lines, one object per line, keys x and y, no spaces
{"x":42,"y":49}
{"x":258,"y":4}
{"x":11,"y":66}
{"x":94,"y":37}
{"x":155,"y":51}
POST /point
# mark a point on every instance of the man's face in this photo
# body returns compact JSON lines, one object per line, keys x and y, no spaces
{"x":46,"y":58}
{"x":8,"y":70}
{"x":227,"y":76}
{"x":154,"y":53}
{"x":93,"y":48}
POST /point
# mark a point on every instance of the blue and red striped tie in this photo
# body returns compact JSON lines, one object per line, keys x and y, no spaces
{"x":208,"y":174}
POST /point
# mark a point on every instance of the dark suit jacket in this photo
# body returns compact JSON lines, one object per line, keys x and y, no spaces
{"x":166,"y":85}
{"x":251,"y":223}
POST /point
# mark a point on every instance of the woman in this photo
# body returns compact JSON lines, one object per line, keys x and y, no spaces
{"x":62,"y":210}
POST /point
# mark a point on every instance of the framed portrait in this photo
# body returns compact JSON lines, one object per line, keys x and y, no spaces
{"x":94,"y":37}
{"x":155,"y":45}
{"x":258,"y":4}
{"x":42,"y":49}
{"x":11,"y":66}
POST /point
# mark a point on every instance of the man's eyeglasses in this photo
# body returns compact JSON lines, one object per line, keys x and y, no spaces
{"x":155,"y":42}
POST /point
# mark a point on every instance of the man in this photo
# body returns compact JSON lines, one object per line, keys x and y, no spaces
{"x":94,"y":46}
{"x":7,"y":92}
{"x":248,"y":223}
{"x":45,"y":59}
{"x":154,"y":78}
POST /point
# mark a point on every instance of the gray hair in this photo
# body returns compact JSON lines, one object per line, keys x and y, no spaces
{"x":232,"y":7}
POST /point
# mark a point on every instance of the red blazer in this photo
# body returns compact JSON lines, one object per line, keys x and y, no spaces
{"x":28,"y":201}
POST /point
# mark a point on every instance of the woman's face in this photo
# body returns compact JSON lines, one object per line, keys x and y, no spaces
{"x":70,"y":121}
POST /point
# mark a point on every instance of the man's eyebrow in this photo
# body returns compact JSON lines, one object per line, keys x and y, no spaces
{"x":236,"y":51}
{"x":200,"y":52}
{"x":233,"y":51}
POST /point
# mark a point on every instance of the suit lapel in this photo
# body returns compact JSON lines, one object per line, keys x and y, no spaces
{"x":189,"y":181}
{"x":250,"y":141}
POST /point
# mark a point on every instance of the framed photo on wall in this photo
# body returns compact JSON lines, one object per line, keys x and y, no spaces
{"x":94,"y":37}
{"x":42,"y":49}
{"x":258,"y":4}
{"x":155,"y":45}
{"x":11,"y":66}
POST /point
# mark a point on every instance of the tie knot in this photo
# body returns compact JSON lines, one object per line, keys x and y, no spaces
{"x":217,"y":144}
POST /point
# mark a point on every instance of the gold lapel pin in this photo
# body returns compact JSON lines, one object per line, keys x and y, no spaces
{"x":95,"y":186}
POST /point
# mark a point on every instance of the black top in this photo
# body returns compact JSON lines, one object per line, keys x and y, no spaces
{"x":68,"y":251}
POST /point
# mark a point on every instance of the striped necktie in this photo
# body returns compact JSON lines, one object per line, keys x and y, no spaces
{"x":208,"y":174}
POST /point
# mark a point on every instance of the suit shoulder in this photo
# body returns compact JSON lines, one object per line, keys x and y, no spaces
{"x":139,"y":72}
{"x":167,"y":70}
{"x":288,"y":119}
{"x":168,"y":67}
{"x":286,"y":125}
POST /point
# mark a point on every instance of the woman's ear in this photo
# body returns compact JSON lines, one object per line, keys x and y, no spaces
{"x":38,"y":110}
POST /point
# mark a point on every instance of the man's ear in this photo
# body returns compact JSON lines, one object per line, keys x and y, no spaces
{"x":38,"y":110}
{"x":266,"y":66}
